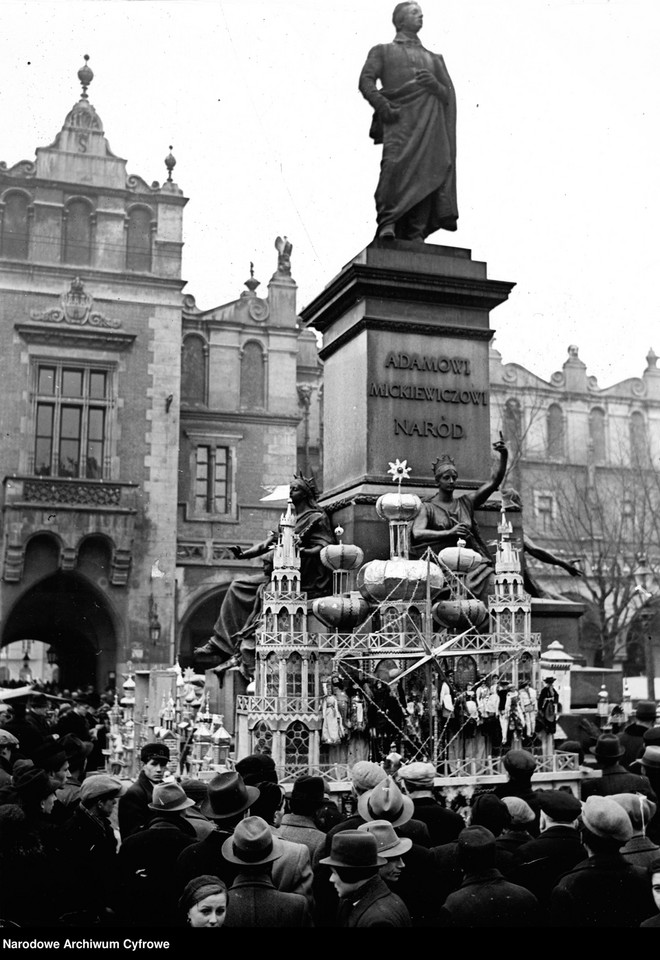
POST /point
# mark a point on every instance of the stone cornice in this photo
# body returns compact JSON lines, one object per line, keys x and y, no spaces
{"x":404,"y":326}
{"x":99,"y":338}
{"x":359,"y":281}
{"x":221,"y":417}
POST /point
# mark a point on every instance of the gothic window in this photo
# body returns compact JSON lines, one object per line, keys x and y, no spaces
{"x":325,"y":671}
{"x":311,"y":680}
{"x":72,"y":411}
{"x":415,"y":622}
{"x":138,"y":240}
{"x":15,"y":227}
{"x":262,"y":738}
{"x":212,"y":488}
{"x":78,"y":232}
{"x":283,"y":621}
{"x":506,"y":621}
{"x":639,"y":447}
{"x":296,"y":744}
{"x":298,"y":621}
{"x":272,"y":676}
{"x":391,"y":622}
{"x":294,"y":676}
{"x":465,"y":672}
{"x":555,"y":432}
{"x":505,"y":666}
{"x":597,"y":434}
{"x":193,"y":370}
{"x":253,"y":386}
{"x":526,"y":668}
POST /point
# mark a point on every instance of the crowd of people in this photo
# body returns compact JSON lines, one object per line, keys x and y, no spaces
{"x":80,"y":847}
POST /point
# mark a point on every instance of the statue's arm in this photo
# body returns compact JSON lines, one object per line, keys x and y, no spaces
{"x":257,"y":550}
{"x":546,"y":557}
{"x":371,"y":73}
{"x":480,"y":496}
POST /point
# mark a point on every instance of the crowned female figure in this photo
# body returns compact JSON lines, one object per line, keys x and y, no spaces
{"x":446,"y":518}
{"x":234,"y":631}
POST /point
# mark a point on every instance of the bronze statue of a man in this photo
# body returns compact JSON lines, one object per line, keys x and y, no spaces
{"x":415,"y":120}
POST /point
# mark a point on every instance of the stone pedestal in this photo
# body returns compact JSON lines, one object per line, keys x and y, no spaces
{"x":405,"y":349}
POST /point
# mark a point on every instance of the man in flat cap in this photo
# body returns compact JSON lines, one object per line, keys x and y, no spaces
{"x":8,"y":747}
{"x":485,"y":898}
{"x":605,"y":890}
{"x":640,"y":849}
{"x":443,"y":825}
{"x":91,"y":846}
{"x":558,"y":848}
{"x":134,"y":810}
{"x":520,"y":766}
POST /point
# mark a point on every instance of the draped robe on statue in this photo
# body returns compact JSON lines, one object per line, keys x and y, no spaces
{"x":417,"y":185}
{"x":241,"y":608}
{"x":444,"y":516}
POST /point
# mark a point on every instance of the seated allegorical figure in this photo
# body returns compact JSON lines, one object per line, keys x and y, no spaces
{"x":445,"y":518}
{"x":233,"y":638}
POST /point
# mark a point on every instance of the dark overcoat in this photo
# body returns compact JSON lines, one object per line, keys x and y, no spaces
{"x":486,"y":899}
{"x":253,"y":901}
{"x":133,"y":811}
{"x":603,"y":891}
{"x":377,"y":907}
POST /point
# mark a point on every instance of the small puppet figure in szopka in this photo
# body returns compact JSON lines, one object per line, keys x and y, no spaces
{"x":548,"y":708}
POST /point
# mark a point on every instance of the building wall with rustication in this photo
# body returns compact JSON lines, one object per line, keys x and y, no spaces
{"x":90,"y":330}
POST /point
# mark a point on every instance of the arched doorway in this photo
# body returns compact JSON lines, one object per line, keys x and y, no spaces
{"x":197,"y":627}
{"x":72,"y":618}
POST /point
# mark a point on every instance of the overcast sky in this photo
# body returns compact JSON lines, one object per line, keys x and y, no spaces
{"x":558,"y":129}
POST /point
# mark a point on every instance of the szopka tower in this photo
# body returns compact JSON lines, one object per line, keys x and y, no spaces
{"x":405,"y":324}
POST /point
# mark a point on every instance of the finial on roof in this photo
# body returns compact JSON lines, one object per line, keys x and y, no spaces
{"x":170,"y":163}
{"x":85,"y":76}
{"x":651,"y":359}
{"x":252,"y":284}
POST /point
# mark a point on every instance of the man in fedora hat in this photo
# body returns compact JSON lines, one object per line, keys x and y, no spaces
{"x":307,"y":795}
{"x":133,"y":809}
{"x":485,"y":898}
{"x":148,"y":856}
{"x":227,"y":803}
{"x":632,"y":738}
{"x":390,"y":847}
{"x":615,"y":779}
{"x":90,"y":874}
{"x":443,"y":825}
{"x":365,"y":900}
{"x":253,"y":900}
{"x":604,"y":890}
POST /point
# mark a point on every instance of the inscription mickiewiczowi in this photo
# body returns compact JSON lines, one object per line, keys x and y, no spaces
{"x":410,"y":391}
{"x":428,"y":363}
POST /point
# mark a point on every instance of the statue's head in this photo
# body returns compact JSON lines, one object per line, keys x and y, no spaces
{"x":444,"y":466}
{"x":408,"y":16}
{"x":303,"y":488}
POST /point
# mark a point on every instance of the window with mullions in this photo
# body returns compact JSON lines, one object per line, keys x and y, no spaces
{"x":212,"y":479}
{"x":71,"y":421}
